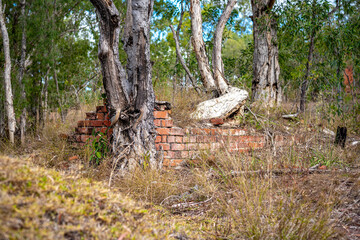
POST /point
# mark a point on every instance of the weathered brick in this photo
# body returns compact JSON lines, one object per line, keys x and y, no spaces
{"x":101,"y":109}
{"x":237,"y":132}
{"x":100,"y":116}
{"x":177,"y":131}
{"x":191,"y":146}
{"x":184,"y":154}
{"x":91,"y":115}
{"x":171,"y":139}
{"x":166,"y":162}
{"x":217,"y":121}
{"x":157,"y":122}
{"x":163,"y":131}
{"x":200,"y":139}
{"x":84,"y":130}
{"x":204,"y":146}
{"x":186,"y":139}
{"x":164,"y":139}
{"x":176,"y":162}
{"x":158,"y":139}
{"x":177,"y":146}
{"x":91,"y":123}
{"x":163,"y":146}
{"x":179,"y":139}
{"x":161,"y":114}
{"x":196,"y":131}
{"x":167,"y":123}
{"x":192,"y":139}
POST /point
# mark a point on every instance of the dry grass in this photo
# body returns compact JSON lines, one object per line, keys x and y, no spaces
{"x":202,"y":201}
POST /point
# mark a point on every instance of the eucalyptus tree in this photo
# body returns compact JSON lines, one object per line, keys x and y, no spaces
{"x":266,"y":86}
{"x":213,"y":80}
{"x":129,"y":93}
{"x":7,"y":77}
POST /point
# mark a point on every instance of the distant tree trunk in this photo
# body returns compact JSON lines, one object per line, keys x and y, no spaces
{"x":7,"y":77}
{"x":199,"y":48}
{"x":21,"y":74}
{"x":218,"y":69}
{"x":304,"y":84}
{"x":44,"y":97}
{"x":130,"y":99}
{"x":182,"y":61}
{"x":266,"y":84}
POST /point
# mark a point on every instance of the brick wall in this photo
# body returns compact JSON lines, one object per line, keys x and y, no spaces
{"x":178,"y":145}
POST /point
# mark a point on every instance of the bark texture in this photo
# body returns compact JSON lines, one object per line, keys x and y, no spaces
{"x":199,"y":48}
{"x":266,"y":84}
{"x":7,"y":77}
{"x":220,"y":80}
{"x":21,"y":73}
{"x":130,"y":98}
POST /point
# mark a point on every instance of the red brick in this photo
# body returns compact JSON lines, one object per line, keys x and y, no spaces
{"x":157,"y":122}
{"x":101,"y":109}
{"x":191,"y":146}
{"x":158,"y":139}
{"x":208,"y":139}
{"x":176,"y":146}
{"x":170,"y":139}
{"x":167,"y":123}
{"x":192,"y":139}
{"x":200,"y":139}
{"x":186,"y":139}
{"x":163,"y":131}
{"x":166,"y":162}
{"x":163,"y":146}
{"x":177,"y":131}
{"x":91,"y":123}
{"x":176,"y":162}
{"x":217,"y":121}
{"x":179,"y":139}
{"x":100,"y":116}
{"x":184,"y":154}
{"x":206,"y":131}
{"x":107,"y":116}
{"x":91,"y":115}
{"x":83,"y":130}
{"x":73,"y":158}
{"x":196,"y":131}
{"x":204,"y":146}
{"x":161,"y":114}
{"x":237,"y":132}
{"x":164,"y":138}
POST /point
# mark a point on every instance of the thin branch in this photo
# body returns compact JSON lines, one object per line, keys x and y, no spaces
{"x":182,"y":61}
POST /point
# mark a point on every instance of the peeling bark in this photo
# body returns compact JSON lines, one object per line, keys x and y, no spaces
{"x":218,"y":69}
{"x":130,"y":98}
{"x":266,"y":84}
{"x":7,"y":77}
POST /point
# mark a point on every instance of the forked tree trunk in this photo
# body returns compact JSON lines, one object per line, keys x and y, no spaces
{"x":21,"y":74}
{"x":218,"y":69}
{"x":266,"y":84}
{"x":7,"y":77}
{"x":130,"y":99}
{"x":199,"y":48}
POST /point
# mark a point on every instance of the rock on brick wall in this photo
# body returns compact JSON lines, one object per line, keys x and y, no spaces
{"x":178,"y":145}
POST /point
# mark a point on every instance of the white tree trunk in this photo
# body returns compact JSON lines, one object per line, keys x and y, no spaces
{"x":199,"y":47}
{"x":218,"y":69}
{"x":7,"y":76}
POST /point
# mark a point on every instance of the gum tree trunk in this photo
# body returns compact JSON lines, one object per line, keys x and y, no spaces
{"x":218,"y":69}
{"x":7,"y":77}
{"x":130,"y":96}
{"x":21,"y":74}
{"x":199,"y":48}
{"x":265,"y":85}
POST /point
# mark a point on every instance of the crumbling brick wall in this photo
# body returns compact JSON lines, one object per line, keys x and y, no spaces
{"x":179,"y":145}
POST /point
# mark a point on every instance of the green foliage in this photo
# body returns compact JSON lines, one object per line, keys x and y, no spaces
{"x":99,"y":146}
